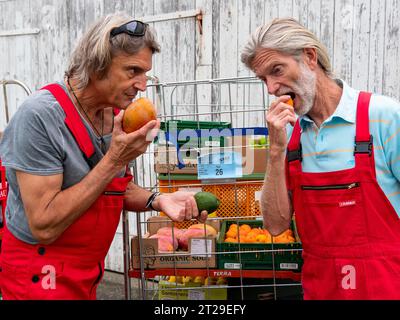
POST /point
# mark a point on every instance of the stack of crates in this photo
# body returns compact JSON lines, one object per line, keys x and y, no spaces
{"x":239,"y":197}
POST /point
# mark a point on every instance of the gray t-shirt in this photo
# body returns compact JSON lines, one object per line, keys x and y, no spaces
{"x":38,"y":142}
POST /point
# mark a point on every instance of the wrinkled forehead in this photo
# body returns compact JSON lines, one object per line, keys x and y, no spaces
{"x":265,"y":58}
{"x":142,"y":58}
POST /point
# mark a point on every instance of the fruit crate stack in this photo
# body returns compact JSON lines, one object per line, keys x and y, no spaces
{"x":258,"y":249}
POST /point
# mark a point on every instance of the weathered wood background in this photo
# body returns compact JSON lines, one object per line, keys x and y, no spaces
{"x":37,"y":36}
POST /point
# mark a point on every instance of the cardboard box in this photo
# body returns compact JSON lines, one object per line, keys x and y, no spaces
{"x":194,"y":291}
{"x":254,"y":158}
{"x":198,"y":255}
{"x":166,"y":160}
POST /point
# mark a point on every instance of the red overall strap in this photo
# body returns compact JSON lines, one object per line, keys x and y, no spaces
{"x":294,"y":155}
{"x":364,"y":151}
{"x":3,"y":194}
{"x":72,"y":119}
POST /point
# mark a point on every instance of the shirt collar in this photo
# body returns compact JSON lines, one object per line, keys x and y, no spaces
{"x":346,"y":109}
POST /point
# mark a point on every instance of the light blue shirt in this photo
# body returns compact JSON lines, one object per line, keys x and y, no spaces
{"x":331,"y":147}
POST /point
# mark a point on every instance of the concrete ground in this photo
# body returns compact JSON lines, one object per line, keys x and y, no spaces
{"x":112,"y":287}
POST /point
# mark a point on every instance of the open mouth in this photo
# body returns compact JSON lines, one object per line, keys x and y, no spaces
{"x":292,"y":96}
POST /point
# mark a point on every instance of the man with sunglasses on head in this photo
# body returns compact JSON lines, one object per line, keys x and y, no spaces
{"x":66,"y":157}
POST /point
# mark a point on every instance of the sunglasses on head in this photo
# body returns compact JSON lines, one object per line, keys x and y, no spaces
{"x":134,"y":28}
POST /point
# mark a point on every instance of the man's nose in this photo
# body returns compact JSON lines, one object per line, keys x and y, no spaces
{"x":272,"y":86}
{"x":141,"y":83}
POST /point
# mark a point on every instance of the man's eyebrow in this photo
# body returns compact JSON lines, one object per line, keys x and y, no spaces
{"x":135,"y":67}
{"x":265,"y":70}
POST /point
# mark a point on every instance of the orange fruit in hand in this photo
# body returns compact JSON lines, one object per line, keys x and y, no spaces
{"x":290,"y":102}
{"x":137,"y":114}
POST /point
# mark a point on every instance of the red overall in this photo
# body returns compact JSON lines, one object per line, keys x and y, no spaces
{"x":349,"y":229}
{"x":73,"y":265}
{"x":3,"y":198}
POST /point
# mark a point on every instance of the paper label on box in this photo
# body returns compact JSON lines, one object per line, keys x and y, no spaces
{"x":196,"y":295}
{"x":257,"y":195}
{"x":191,"y":189}
{"x":228,"y":265}
{"x":289,"y":266}
{"x":201,"y":247}
{"x":212,"y":143}
{"x":220,"y":165}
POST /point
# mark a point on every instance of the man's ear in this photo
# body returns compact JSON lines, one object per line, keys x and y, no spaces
{"x":311,"y":57}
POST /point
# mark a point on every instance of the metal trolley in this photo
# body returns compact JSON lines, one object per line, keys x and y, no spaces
{"x":241,"y":103}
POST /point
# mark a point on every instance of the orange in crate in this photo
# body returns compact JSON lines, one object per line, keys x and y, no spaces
{"x":237,"y":200}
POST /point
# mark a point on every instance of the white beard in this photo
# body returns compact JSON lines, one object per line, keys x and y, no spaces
{"x":305,"y":88}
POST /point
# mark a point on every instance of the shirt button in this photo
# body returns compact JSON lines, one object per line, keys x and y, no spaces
{"x":35,"y":278}
{"x":41,"y":250}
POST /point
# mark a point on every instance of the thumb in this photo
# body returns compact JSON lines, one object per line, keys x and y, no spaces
{"x":118,"y":121}
{"x":150,"y":130}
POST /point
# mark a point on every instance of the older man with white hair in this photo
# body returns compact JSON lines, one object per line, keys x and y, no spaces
{"x":334,"y":162}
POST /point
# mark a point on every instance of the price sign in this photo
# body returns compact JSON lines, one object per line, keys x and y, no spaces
{"x":219,"y":165}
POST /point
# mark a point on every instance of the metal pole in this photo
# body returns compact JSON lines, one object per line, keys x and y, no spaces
{"x":125,"y":231}
{"x":7,"y":82}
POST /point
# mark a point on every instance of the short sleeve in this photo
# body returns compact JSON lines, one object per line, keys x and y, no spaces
{"x":33,"y":140}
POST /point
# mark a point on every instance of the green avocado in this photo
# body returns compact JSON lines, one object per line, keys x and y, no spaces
{"x":206,"y":201}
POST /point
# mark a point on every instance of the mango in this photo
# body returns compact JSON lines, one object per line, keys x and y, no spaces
{"x":137,"y":114}
{"x":206,"y":201}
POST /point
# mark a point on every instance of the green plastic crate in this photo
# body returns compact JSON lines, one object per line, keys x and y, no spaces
{"x":186,"y":124}
{"x":172,"y":176}
{"x":279,"y":260}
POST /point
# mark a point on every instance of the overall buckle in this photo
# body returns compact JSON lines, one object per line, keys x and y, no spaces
{"x":364,"y":146}
{"x":295,"y":155}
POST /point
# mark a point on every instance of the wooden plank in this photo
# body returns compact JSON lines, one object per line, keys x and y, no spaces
{"x":112,"y":6}
{"x":228,"y":31}
{"x":377,"y":46}
{"x":203,"y":68}
{"x":143,"y":8}
{"x":327,"y":26}
{"x":7,"y":46}
{"x":271,"y":10}
{"x":186,"y":58}
{"x":343,"y":39}
{"x":244,"y":18}
{"x":314,"y":17}
{"x":300,"y":11}
{"x":20,"y":32}
{"x":285,"y":8}
{"x":244,"y":12}
{"x":170,"y":16}
{"x":361,"y":38}
{"x":114,"y":260}
{"x":216,"y":26}
{"x":228,"y":53}
{"x":254,"y":93}
{"x":391,"y":80}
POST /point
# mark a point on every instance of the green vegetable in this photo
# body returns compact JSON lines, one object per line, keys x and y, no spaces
{"x":206,"y":201}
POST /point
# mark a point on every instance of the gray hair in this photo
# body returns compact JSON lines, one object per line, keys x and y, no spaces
{"x":95,"y":50}
{"x":288,"y":36}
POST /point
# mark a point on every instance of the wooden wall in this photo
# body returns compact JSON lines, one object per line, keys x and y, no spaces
{"x":362,"y":37}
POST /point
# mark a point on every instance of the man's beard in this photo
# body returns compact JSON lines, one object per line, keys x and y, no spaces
{"x":305,"y":87}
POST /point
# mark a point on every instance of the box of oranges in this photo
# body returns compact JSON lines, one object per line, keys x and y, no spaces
{"x":245,"y":244}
